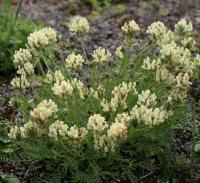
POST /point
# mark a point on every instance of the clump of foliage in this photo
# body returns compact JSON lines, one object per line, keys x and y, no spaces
{"x":14,"y":32}
{"x":102,"y":116}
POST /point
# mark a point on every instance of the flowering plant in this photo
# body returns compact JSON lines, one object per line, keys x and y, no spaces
{"x":104,"y":111}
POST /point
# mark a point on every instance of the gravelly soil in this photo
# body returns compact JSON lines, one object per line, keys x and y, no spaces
{"x":106,"y":29}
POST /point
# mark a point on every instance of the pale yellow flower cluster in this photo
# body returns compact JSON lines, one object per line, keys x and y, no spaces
{"x":96,"y":123}
{"x":22,"y":56}
{"x":123,"y":118}
{"x":61,"y":131}
{"x":74,"y":61}
{"x":58,"y":130}
{"x":62,"y":88}
{"x":183,"y":27}
{"x":76,"y":133}
{"x":79,"y":25}
{"x":163,"y":74}
{"x":159,"y":33}
{"x":149,"y":64}
{"x":119,"y":53}
{"x":32,"y":126}
{"x":43,"y":111}
{"x":17,"y":132}
{"x":27,"y":69}
{"x":178,"y":57}
{"x":117,"y":132}
{"x":23,"y":132}
{"x":120,"y":94}
{"x":147,"y":98}
{"x":180,"y":86}
{"x":148,"y":116}
{"x":58,"y":76}
{"x":20,"y":82}
{"x":188,"y":42}
{"x":101,"y":55}
{"x":130,"y":27}
{"x":41,"y":38}
{"x":157,"y":29}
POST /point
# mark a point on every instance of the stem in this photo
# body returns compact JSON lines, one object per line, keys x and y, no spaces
{"x":40,"y":65}
{"x":53,"y":62}
{"x":34,"y":91}
{"x":83,"y":48}
{"x":124,"y":64}
{"x":46,"y":65}
{"x":19,"y":6}
{"x":146,"y":47}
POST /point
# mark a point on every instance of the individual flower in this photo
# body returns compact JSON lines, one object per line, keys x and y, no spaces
{"x":48,"y":78}
{"x":22,"y":56}
{"x":115,"y":102}
{"x":21,"y":71}
{"x":119,"y":53}
{"x":28,"y":68}
{"x":96,"y":123}
{"x":79,"y":25}
{"x":101,"y":55}
{"x":73,"y":133}
{"x":82,"y":133}
{"x":74,"y":61}
{"x":58,"y":130}
{"x":105,"y":105}
{"x":62,"y":89}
